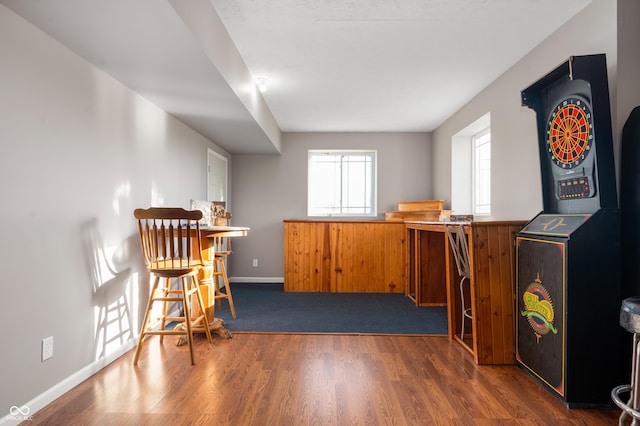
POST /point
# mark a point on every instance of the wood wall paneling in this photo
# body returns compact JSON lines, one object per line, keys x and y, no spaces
{"x":345,"y":256}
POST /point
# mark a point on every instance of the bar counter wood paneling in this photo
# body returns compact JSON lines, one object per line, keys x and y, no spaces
{"x":347,"y":256}
{"x":491,"y":289}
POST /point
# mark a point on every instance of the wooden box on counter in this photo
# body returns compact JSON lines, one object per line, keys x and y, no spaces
{"x":345,"y":256}
{"x":427,"y":210}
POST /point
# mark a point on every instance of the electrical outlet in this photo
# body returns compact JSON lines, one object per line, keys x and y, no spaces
{"x":47,"y":348}
{"x":255,"y":262}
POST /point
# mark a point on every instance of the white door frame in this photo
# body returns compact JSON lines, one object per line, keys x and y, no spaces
{"x":216,"y":179}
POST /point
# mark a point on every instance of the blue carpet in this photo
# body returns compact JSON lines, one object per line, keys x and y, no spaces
{"x":267,"y":308}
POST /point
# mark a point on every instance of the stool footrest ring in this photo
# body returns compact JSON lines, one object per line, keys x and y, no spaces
{"x":615,"y":396}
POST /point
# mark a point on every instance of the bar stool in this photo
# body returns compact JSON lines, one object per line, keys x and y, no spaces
{"x":172,"y":249}
{"x":630,"y":320}
{"x":460,"y":248}
{"x":222,"y":250}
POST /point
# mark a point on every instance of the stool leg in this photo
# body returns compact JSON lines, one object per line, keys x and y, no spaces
{"x":216,"y":278}
{"x":218,"y":272}
{"x":630,"y":409}
{"x":187,"y":317}
{"x":462,"y":307}
{"x":634,"y":395}
{"x":165,"y":307}
{"x":145,"y":322}
{"x":465,"y":310}
{"x":227,"y":288}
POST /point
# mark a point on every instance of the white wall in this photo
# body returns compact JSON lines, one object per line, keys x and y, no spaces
{"x":79,"y":152}
{"x":516,"y":191}
{"x":75,"y":151}
{"x":269,"y":189}
{"x":628,"y":60}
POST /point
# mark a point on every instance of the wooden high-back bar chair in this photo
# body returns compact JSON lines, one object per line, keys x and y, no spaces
{"x":172,"y":249}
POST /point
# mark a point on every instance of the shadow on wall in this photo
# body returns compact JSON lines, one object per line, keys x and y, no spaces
{"x":129,"y":255}
{"x":117,"y":286}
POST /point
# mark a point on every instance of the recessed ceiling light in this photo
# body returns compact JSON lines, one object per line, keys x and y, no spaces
{"x":262,"y":83}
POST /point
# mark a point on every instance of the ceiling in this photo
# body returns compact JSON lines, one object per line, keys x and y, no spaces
{"x":332,"y":65}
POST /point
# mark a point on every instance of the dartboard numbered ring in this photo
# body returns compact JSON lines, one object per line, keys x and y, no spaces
{"x":569,"y":132}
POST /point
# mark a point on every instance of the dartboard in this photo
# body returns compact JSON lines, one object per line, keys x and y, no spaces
{"x":569,"y":132}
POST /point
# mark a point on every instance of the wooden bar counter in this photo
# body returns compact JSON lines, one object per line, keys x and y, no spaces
{"x":349,"y":256}
{"x":414,"y":258}
{"x":434,"y":280}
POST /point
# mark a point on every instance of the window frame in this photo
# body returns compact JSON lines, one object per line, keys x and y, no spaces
{"x":340,"y":209}
{"x":476,"y":185}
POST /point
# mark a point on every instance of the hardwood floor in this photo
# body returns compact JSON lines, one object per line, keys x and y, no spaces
{"x":289,"y":379}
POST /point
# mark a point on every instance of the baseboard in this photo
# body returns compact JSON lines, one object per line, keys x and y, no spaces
{"x":26,"y":411}
{"x":256,"y":279}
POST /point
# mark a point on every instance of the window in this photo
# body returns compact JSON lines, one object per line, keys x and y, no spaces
{"x":481,"y":143}
{"x":471,"y":168}
{"x":342,"y":183}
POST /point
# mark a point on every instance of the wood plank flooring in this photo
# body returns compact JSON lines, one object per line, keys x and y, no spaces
{"x":292,"y":379}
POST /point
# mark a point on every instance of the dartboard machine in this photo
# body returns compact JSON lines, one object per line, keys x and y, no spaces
{"x":568,"y":256}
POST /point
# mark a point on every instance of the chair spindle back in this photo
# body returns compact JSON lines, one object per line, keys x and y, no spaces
{"x":170,"y":237}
